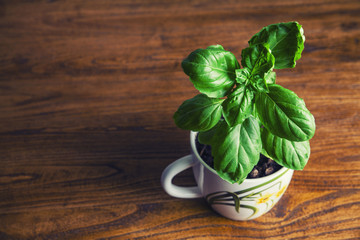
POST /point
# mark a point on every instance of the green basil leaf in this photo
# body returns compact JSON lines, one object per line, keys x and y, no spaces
{"x":258,"y":59}
{"x":259,"y":84}
{"x":270,"y":77}
{"x":238,"y":106}
{"x":208,"y":137}
{"x":286,"y":42}
{"x":287,"y":153}
{"x":236,"y":149}
{"x":199,"y":113}
{"x":211,"y":70}
{"x":284,"y":114}
{"x":242,"y":75}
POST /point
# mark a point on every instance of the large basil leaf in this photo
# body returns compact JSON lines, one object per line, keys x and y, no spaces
{"x":284,"y":114}
{"x":287,"y":153}
{"x":236,"y":149}
{"x":211,"y":70}
{"x":286,"y":42}
{"x":199,"y":113}
{"x":238,"y":106}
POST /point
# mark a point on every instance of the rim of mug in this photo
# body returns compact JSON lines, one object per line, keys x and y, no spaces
{"x":194,"y":150}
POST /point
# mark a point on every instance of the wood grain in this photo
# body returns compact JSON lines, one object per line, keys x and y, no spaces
{"x":87,"y":94}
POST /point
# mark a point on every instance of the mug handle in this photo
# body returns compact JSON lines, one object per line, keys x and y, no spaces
{"x":171,"y":171}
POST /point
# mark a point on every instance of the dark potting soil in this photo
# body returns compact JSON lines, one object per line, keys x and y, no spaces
{"x":265,"y":166}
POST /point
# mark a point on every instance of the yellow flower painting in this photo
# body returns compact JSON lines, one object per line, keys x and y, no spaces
{"x":265,"y":198}
{"x":281,"y":191}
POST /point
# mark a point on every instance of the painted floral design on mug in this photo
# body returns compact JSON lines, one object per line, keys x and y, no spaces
{"x":251,"y":198}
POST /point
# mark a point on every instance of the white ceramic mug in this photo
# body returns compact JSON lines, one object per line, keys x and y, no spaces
{"x":248,"y":200}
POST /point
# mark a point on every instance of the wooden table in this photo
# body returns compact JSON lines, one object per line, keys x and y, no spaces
{"x":87,"y":94}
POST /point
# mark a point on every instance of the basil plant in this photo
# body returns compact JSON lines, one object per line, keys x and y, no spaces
{"x":242,"y":112}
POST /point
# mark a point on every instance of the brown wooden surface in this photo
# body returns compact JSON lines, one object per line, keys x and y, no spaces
{"x":87,"y":94}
